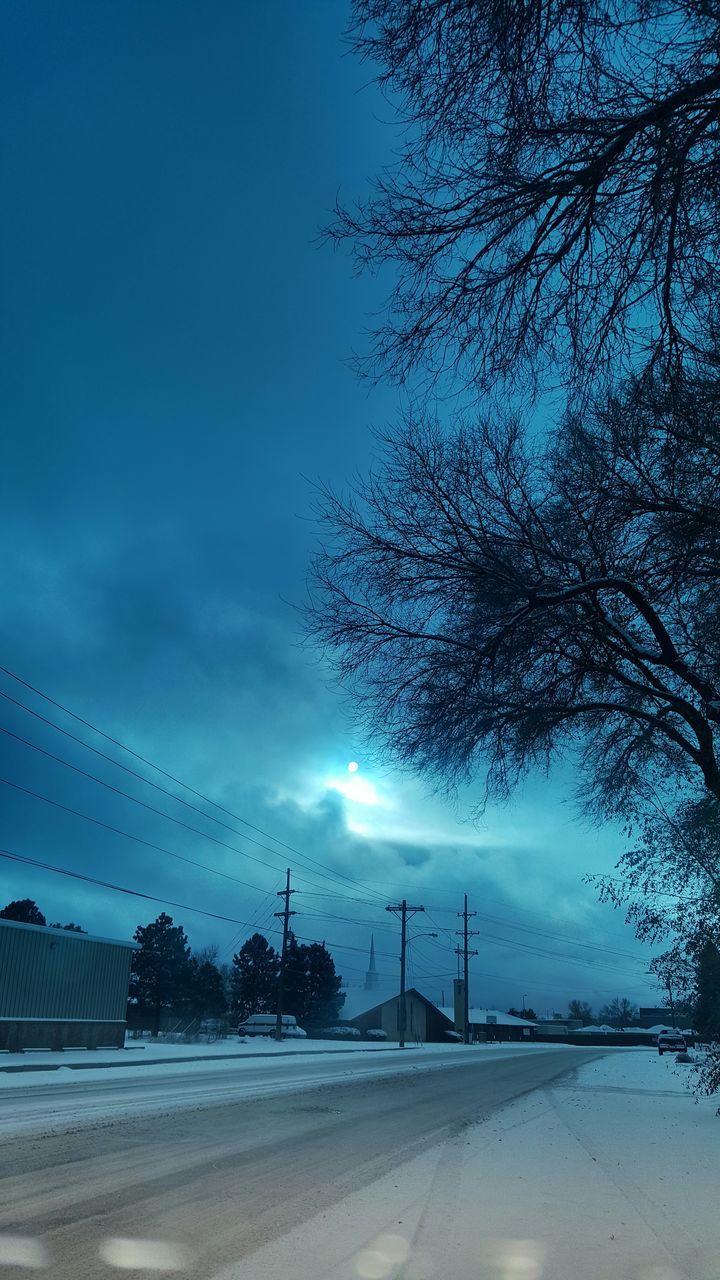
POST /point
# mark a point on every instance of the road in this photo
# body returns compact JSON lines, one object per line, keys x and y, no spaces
{"x":219,"y":1182}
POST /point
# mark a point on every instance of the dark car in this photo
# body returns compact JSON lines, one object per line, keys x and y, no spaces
{"x":671,"y":1042}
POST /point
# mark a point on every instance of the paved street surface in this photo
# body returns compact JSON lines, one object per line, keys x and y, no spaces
{"x":199,"y":1188}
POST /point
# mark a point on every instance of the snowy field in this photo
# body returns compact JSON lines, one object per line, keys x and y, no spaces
{"x":610,"y":1174}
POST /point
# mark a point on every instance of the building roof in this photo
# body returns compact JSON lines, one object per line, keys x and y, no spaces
{"x":359,"y":1002}
{"x":479,"y":1017}
{"x":68,"y":933}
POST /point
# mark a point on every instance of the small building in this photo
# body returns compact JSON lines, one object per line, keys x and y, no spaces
{"x":60,"y":989}
{"x":424,"y":1022}
{"x":559,"y":1026}
{"x":493,"y":1024}
{"x":651,"y":1018}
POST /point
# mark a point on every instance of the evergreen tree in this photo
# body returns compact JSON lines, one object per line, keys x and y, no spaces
{"x":253,"y":978}
{"x":160,"y":969}
{"x":707,"y":992}
{"x":24,"y":910}
{"x":323,"y":997}
{"x":295,"y":978}
{"x":312,"y":987}
{"x":205,"y":996}
{"x":528,"y":1014}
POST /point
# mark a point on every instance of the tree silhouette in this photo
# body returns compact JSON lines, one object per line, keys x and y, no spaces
{"x":620,"y":1013}
{"x":254,"y":977}
{"x":24,"y":910}
{"x":492,"y":603}
{"x":580,"y":1009}
{"x":555,"y":196}
{"x":707,"y":992}
{"x":204,"y":996}
{"x":160,"y":969}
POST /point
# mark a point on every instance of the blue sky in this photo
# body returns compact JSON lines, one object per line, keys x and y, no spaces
{"x":175,"y":372}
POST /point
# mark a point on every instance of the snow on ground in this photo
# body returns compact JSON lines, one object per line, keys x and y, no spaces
{"x":149,"y":1051}
{"x":610,"y":1173}
{"x":43,"y":1100}
{"x":42,"y":1065}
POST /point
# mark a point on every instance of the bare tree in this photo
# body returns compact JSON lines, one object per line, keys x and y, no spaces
{"x":491,"y":605}
{"x":620,"y":1013}
{"x":557,"y":193}
{"x":580,"y":1009}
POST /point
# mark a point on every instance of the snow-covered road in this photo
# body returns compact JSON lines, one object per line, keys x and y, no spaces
{"x":202,"y":1179}
{"x":44,"y":1101}
{"x":526,"y":1163}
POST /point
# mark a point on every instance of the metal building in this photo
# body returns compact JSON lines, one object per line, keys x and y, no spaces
{"x":60,"y":989}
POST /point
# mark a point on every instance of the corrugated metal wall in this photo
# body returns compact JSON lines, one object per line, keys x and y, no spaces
{"x":49,"y":973}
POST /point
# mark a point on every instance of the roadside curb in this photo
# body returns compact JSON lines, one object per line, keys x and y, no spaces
{"x":196,"y":1057}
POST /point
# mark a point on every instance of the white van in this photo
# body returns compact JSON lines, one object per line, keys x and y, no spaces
{"x":264,"y":1024}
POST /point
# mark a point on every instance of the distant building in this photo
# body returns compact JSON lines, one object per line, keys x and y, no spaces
{"x":372,"y":977}
{"x":559,"y":1026}
{"x":493,"y":1024}
{"x":655,"y":1017}
{"x":60,"y":989}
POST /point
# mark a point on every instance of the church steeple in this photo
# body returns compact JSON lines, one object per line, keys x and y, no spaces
{"x":372,"y":977}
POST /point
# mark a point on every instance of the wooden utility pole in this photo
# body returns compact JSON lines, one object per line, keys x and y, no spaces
{"x":283,"y":915}
{"x":404,"y":911}
{"x":466,"y":953}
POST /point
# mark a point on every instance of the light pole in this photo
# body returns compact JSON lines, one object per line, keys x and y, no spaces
{"x":412,"y":937}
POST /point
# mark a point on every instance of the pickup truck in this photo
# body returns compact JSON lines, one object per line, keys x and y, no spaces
{"x":671,"y":1042}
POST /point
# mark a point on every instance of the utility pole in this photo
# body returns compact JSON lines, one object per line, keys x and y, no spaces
{"x":404,"y":911}
{"x":466,"y":954}
{"x":285,"y":917}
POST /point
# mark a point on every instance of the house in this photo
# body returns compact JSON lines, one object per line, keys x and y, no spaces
{"x":60,"y":989}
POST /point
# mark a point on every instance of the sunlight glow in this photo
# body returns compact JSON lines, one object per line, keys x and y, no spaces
{"x":353,"y":766}
{"x":355,"y":788}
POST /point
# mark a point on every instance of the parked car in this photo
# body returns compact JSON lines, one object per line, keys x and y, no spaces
{"x":341,"y":1033}
{"x":671,"y":1042}
{"x":264,"y":1024}
{"x":376,"y":1033}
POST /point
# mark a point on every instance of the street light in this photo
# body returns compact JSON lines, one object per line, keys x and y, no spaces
{"x":413,"y":936}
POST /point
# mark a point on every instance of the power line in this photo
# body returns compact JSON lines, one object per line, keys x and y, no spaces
{"x":149,"y":844}
{"x":137,"y":893}
{"x":117,"y":888}
{"x":555,"y":937}
{"x":338,"y":875}
{"x":161,"y":813}
{"x":555,"y":955}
